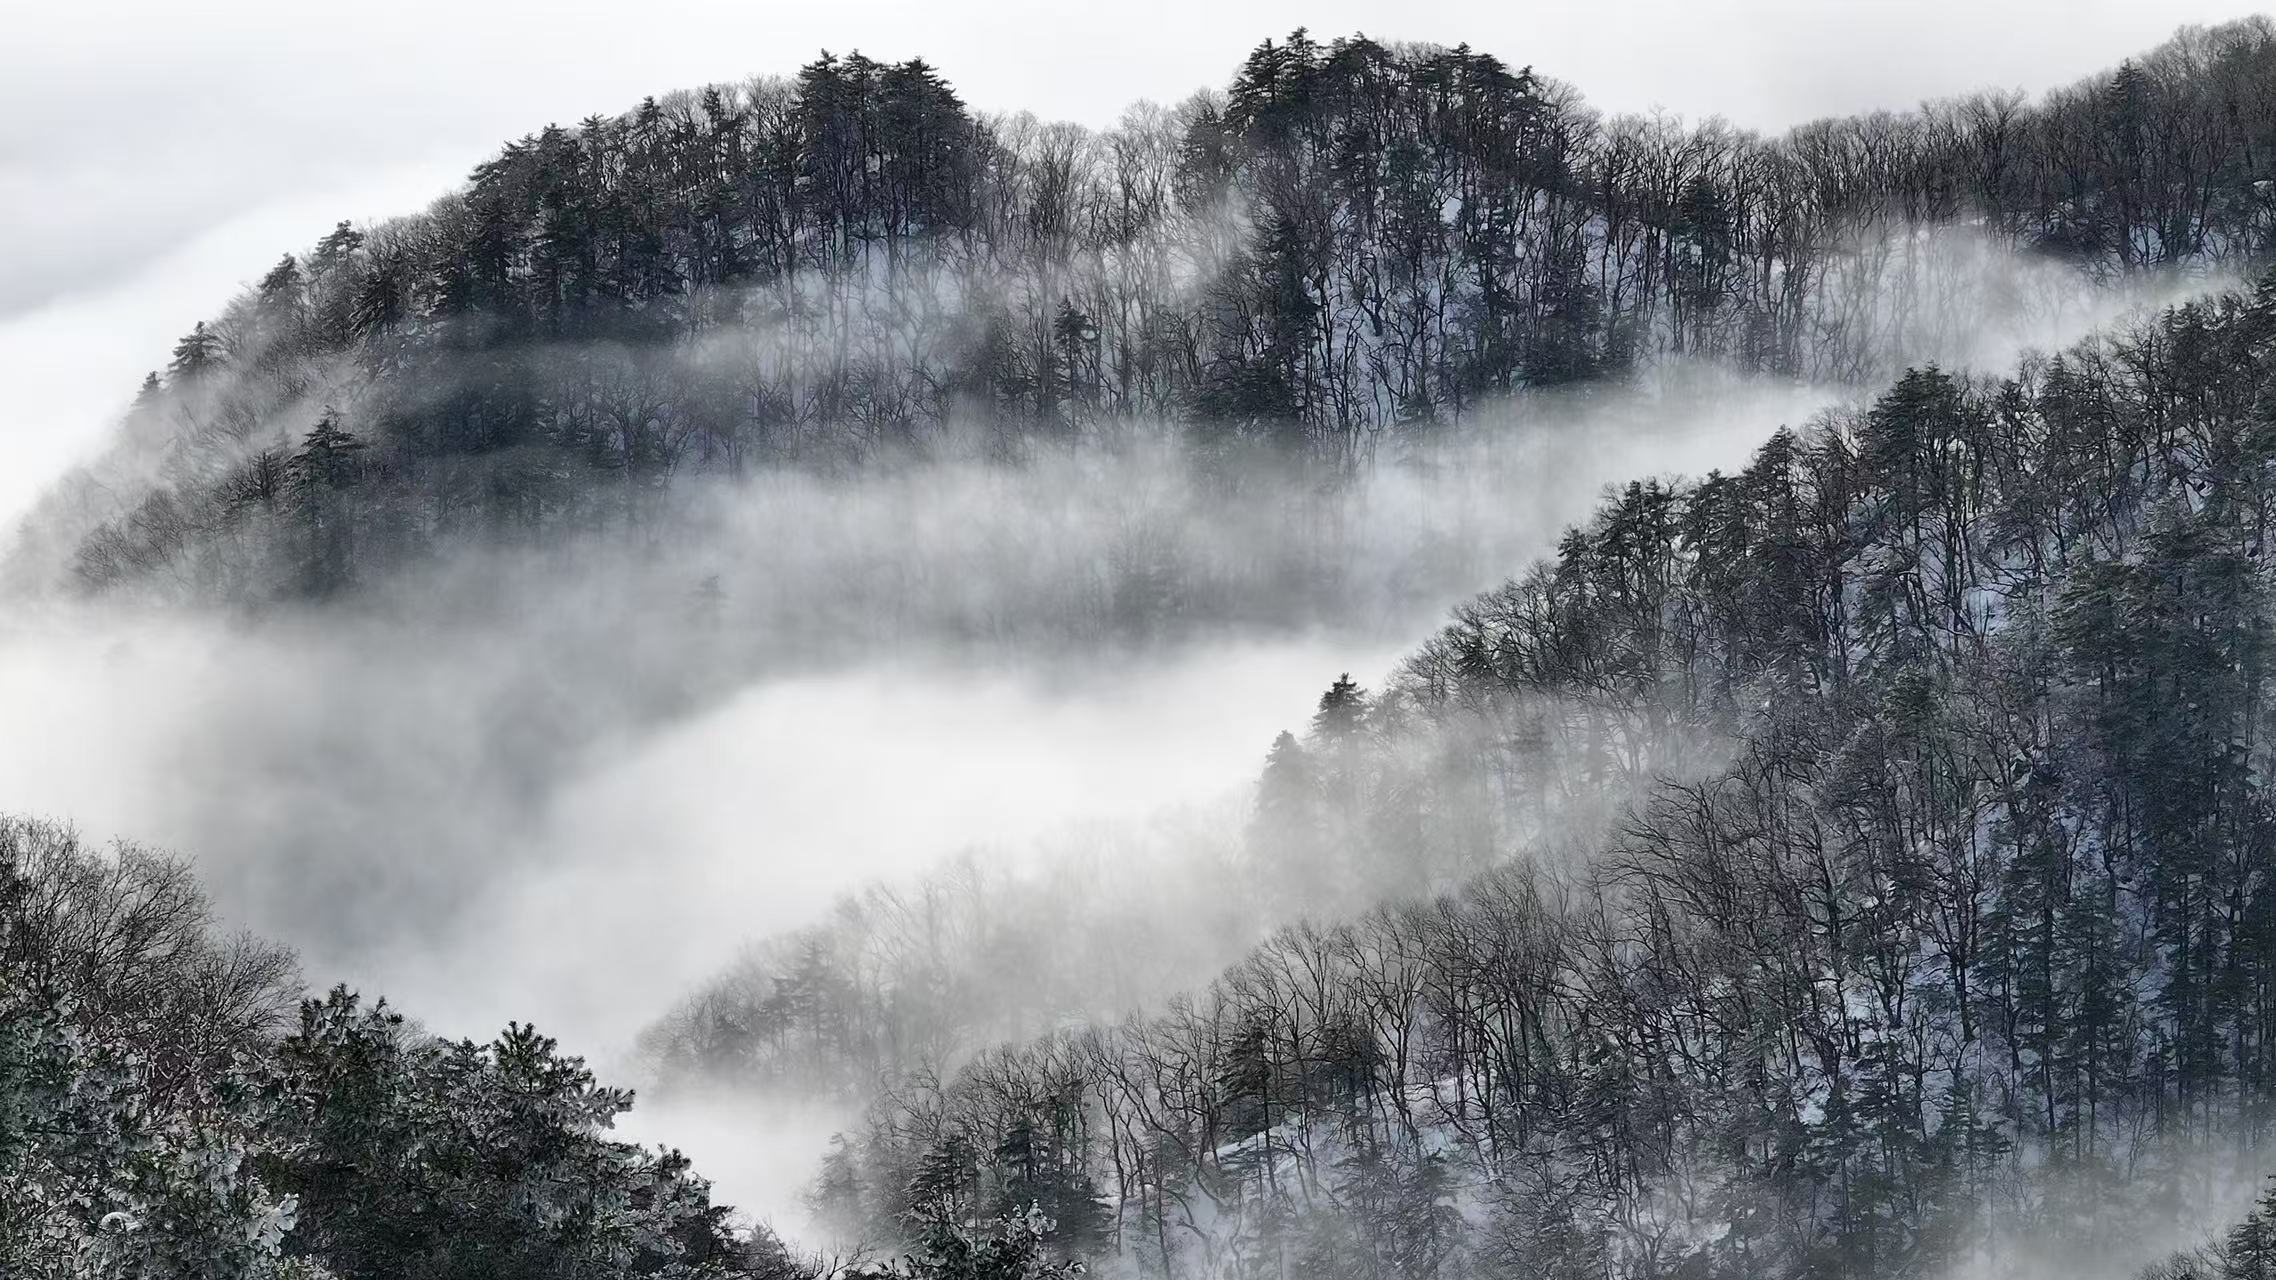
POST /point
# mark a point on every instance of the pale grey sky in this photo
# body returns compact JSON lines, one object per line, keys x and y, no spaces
{"x":157,"y":155}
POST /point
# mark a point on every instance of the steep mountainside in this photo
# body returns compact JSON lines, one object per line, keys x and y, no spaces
{"x":1960,"y":941}
{"x":1855,"y":864}
{"x":1352,"y":244}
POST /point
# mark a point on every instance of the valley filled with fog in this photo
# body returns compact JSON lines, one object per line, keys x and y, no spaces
{"x":595,"y":776}
{"x":1380,"y":672}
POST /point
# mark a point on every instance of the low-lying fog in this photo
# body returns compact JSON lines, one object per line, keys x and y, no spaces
{"x":563,"y":790}
{"x":520,"y":790}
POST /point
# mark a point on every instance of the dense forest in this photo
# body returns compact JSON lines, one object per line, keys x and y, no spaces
{"x":1352,"y":246}
{"x":1932,"y":907}
{"x":168,"y":1112}
{"x":1854,"y":862}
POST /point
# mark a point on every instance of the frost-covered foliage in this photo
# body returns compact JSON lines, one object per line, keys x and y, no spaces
{"x":1846,"y":866}
{"x":154,"y":1123}
{"x":96,"y":1181}
{"x":1962,"y":943}
{"x":129,"y":1094}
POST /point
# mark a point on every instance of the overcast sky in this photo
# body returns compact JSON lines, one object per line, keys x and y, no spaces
{"x":155,"y":156}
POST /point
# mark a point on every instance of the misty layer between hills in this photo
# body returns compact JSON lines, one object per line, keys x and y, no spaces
{"x":831,"y":680}
{"x":480,"y":663}
{"x":592,"y":774}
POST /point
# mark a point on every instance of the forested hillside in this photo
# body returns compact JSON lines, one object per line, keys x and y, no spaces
{"x":1962,"y":940}
{"x":165,"y":1112}
{"x":1352,"y":244}
{"x":1853,"y":862}
{"x":172,"y":1105}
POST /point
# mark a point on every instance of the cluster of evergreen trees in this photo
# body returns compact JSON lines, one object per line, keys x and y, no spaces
{"x":1936,"y":908}
{"x":172,"y":1106}
{"x":164,"y":1112}
{"x":1353,"y":243}
{"x":1838,"y":867}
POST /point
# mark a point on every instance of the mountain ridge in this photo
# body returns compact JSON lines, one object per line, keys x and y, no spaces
{"x":1354,"y":244}
{"x":1856,"y":863}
